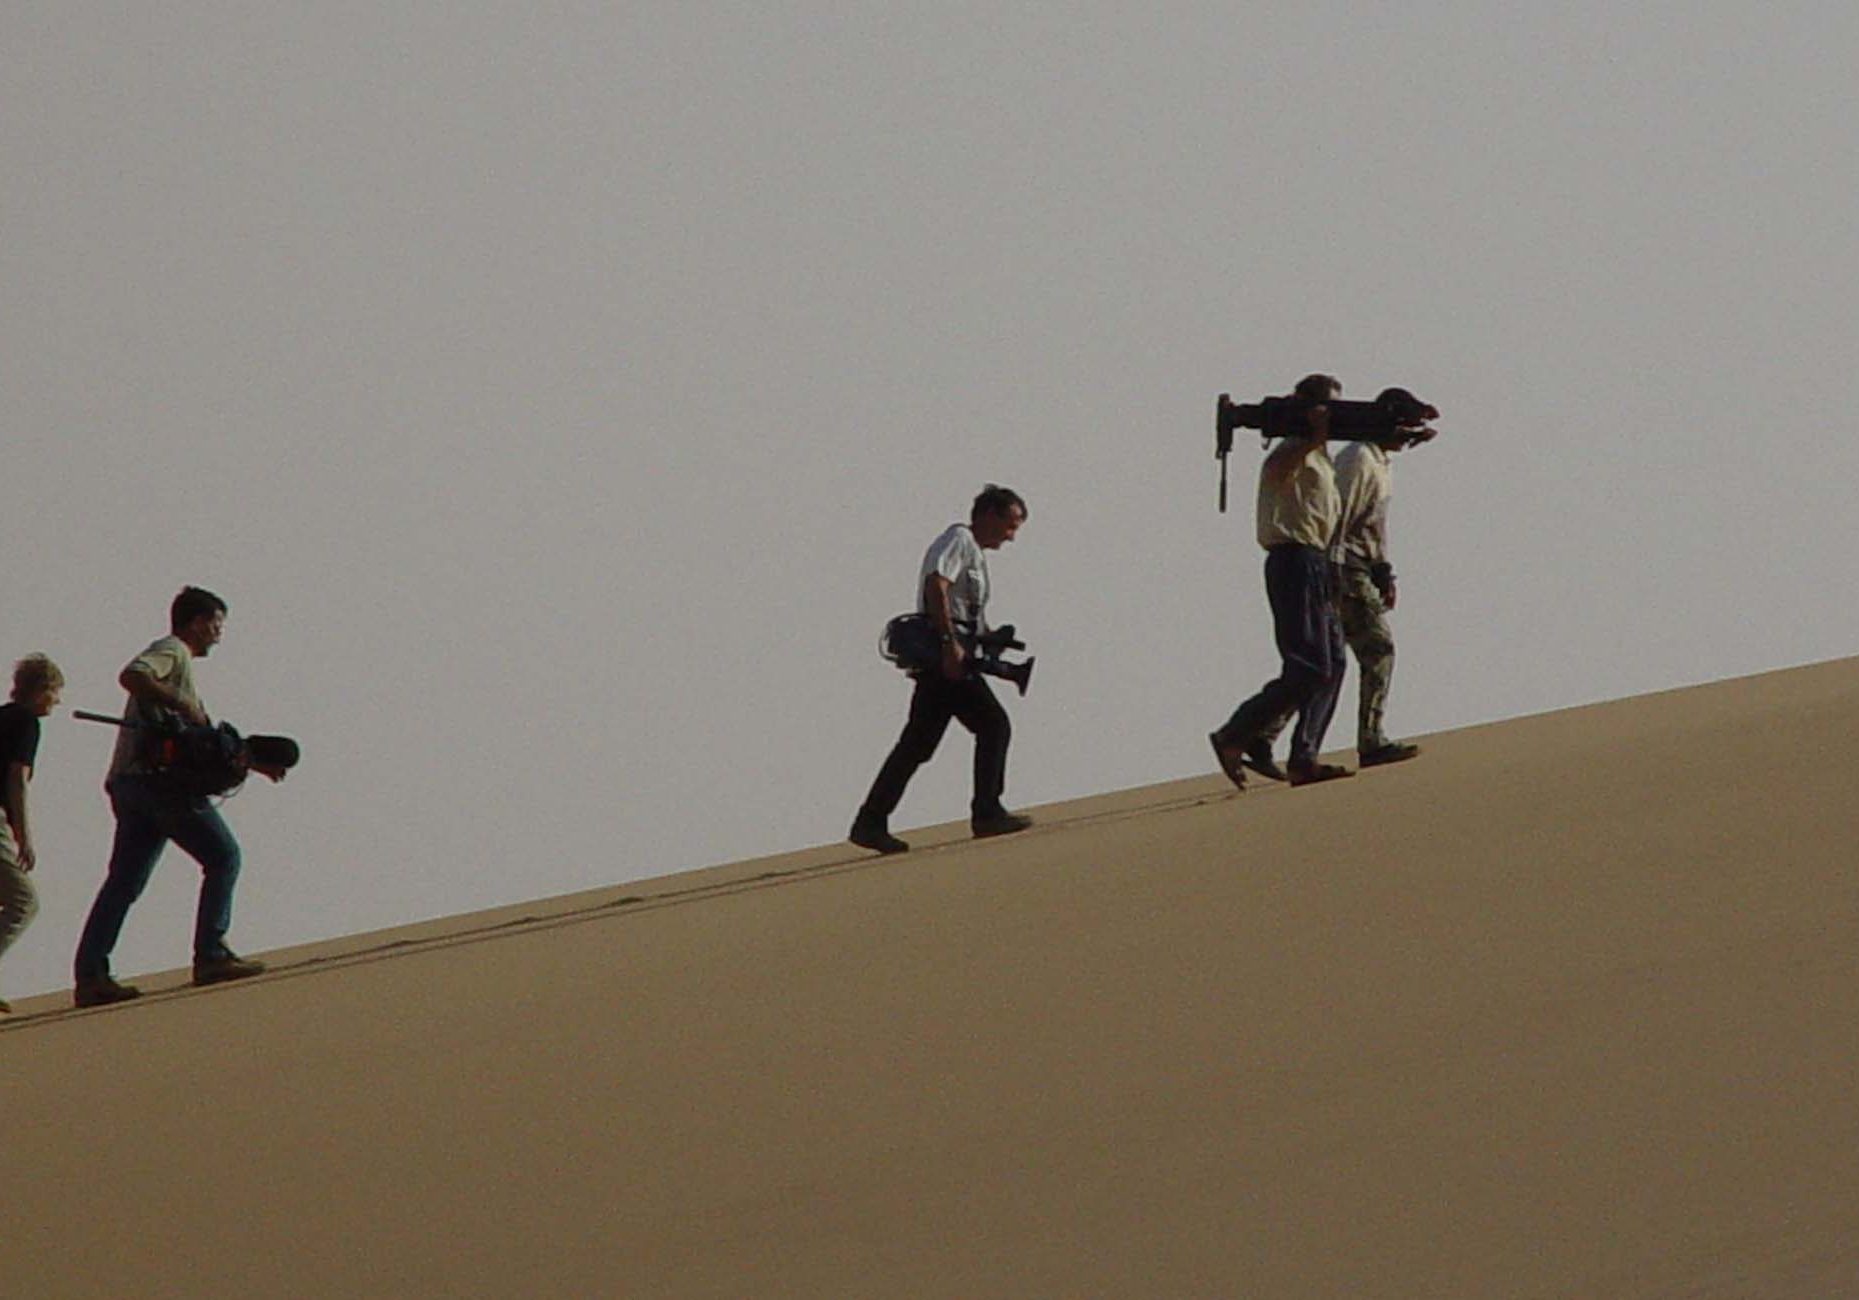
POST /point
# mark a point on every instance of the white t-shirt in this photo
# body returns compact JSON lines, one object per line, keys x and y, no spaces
{"x":1365,"y":482}
{"x":1302,"y":509}
{"x":171,"y":663}
{"x":957,"y":556}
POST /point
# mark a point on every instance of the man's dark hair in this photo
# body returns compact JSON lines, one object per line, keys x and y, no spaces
{"x":1318,"y":388}
{"x":190,"y":604}
{"x":996,"y":500}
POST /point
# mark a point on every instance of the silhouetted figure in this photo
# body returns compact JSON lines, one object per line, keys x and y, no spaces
{"x":37,"y":683}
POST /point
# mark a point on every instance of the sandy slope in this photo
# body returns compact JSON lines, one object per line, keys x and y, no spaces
{"x":1566,"y":1008}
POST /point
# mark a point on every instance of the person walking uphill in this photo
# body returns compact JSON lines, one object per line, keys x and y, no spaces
{"x":1298,"y":508}
{"x":1365,"y":589}
{"x":1367,"y":593}
{"x":37,"y":683}
{"x":150,"y":812}
{"x":952,"y":592}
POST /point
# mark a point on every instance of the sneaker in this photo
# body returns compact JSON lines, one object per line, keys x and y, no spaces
{"x":231,"y":966}
{"x":1312,"y":773}
{"x":102,"y":991}
{"x":1258,"y":757}
{"x":874,"y":835}
{"x":6,"y":1008}
{"x":1000,"y":823}
{"x":1393,"y":751}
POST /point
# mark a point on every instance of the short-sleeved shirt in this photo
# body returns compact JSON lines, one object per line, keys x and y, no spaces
{"x":957,"y":556}
{"x":1300,"y":510}
{"x":19,"y":736}
{"x":1365,"y":482}
{"x":171,"y":663}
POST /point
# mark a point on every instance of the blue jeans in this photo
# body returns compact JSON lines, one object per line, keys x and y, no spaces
{"x":1310,"y":641}
{"x":148,"y":815}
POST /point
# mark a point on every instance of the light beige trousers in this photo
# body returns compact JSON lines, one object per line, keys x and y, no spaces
{"x":19,"y":901}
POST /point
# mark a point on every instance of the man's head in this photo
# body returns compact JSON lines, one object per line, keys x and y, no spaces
{"x":198,"y":617}
{"x":1317,"y":388}
{"x":37,"y":684}
{"x":996,"y":516}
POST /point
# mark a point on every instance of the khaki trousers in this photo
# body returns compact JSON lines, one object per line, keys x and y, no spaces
{"x":19,"y":901}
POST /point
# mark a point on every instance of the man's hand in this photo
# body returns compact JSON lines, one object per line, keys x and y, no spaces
{"x":193,"y":713}
{"x":28,"y":856}
{"x":1388,"y":592}
{"x":954,"y":666}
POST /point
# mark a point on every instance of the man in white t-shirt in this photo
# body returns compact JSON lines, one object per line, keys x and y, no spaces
{"x":151,"y":812}
{"x":952,"y":593}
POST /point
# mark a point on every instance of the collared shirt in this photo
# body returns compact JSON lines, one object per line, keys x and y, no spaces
{"x":171,"y":663}
{"x":1300,"y":509}
{"x":957,"y":556}
{"x":1365,"y":482}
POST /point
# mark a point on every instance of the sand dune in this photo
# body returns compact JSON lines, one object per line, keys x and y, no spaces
{"x":1565,"y":1008}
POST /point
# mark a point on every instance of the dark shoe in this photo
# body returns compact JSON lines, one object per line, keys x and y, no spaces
{"x":1229,"y":759}
{"x":103,"y":991}
{"x":1312,"y":773}
{"x":1000,"y":823}
{"x":6,"y":1008}
{"x":1395,"y":751}
{"x":1258,"y":757}
{"x":875,"y":836}
{"x":218,"y":970}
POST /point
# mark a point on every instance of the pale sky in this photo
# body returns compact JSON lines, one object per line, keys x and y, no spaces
{"x":562,"y":396}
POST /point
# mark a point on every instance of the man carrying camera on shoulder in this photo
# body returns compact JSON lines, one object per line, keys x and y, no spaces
{"x":1365,"y":586}
{"x":952,"y":593}
{"x":151,"y":811}
{"x":1366,"y":592}
{"x":1298,"y":509}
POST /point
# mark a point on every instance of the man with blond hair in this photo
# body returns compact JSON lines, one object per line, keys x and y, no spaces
{"x":37,"y":683}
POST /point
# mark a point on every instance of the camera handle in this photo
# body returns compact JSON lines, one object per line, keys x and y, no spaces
{"x":1224,"y":422}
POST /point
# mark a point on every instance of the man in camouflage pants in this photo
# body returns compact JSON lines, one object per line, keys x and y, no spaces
{"x":1365,"y":593}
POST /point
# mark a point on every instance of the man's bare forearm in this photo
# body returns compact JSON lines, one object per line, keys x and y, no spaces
{"x":936,"y":604}
{"x":149,"y":691}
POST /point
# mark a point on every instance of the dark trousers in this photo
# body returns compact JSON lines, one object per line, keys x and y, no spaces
{"x":148,"y":815}
{"x":935,"y":701}
{"x":1299,"y":585}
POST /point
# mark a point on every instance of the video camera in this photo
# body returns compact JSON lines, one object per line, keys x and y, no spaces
{"x":912,"y":643}
{"x":1395,"y":413}
{"x":198,"y":761}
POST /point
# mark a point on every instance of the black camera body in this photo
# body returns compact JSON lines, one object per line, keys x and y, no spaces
{"x":196,"y":761}
{"x":912,"y":642}
{"x":1393,"y":413}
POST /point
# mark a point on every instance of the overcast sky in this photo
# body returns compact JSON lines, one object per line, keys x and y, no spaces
{"x":563,"y":395}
